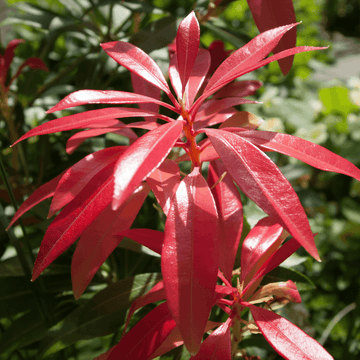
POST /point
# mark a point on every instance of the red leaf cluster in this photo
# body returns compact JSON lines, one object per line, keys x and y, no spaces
{"x":99,"y":197}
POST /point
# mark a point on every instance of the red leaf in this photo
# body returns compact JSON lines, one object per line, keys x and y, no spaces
{"x":215,"y":118}
{"x":219,"y":105}
{"x":75,"y":218}
{"x":269,"y":14}
{"x":239,"y":89}
{"x":99,"y":240}
{"x":175,"y":340}
{"x":312,"y":154}
{"x":43,"y":192}
{"x":243,"y":120}
{"x":145,"y":337}
{"x":34,"y":63}
{"x":141,"y":158}
{"x":250,"y":54}
{"x":276,"y":259}
{"x":228,"y":203}
{"x":187,"y":46}
{"x":217,"y":346}
{"x":261,"y":180}
{"x":83,"y":97}
{"x":141,"y":86}
{"x":175,"y":77}
{"x":80,"y":174}
{"x":84,"y":120}
{"x":138,"y":62}
{"x":197,"y":77}
{"x":164,"y":182}
{"x":190,"y":257}
{"x":287,"y":339}
{"x":261,"y":242}
{"x":77,"y":139}
{"x":9,"y":52}
{"x":157,"y":293}
{"x":152,"y":239}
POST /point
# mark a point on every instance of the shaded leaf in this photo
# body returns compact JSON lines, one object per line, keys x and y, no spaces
{"x":99,"y":240}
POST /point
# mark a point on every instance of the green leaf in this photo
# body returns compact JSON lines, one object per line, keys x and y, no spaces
{"x":336,"y":100}
{"x":225,"y":35}
{"x":155,"y":35}
{"x":350,"y":209}
{"x":303,"y":283}
{"x":73,"y":7}
{"x":118,"y":296}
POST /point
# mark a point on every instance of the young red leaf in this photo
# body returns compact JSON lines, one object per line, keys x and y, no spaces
{"x":43,"y":192}
{"x":75,"y":218}
{"x":239,"y":89}
{"x":84,"y":120}
{"x":143,"y":87}
{"x":9,"y":52}
{"x":250,"y":54}
{"x":141,"y":158}
{"x":175,"y":77}
{"x":99,"y":240}
{"x":187,"y":46}
{"x":83,"y":97}
{"x":190,"y":257}
{"x":269,"y":14}
{"x":145,"y":337}
{"x":78,"y":176}
{"x":261,"y":242}
{"x":261,"y":180}
{"x":217,"y":346}
{"x":284,"y":290}
{"x":287,"y":339}
{"x":197,"y":77}
{"x":152,"y":239}
{"x":228,"y":203}
{"x":77,"y":139}
{"x":138,"y":62}
{"x":164,"y":182}
{"x":312,"y":154}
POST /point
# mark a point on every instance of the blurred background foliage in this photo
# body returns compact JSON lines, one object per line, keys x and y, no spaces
{"x":319,"y":100}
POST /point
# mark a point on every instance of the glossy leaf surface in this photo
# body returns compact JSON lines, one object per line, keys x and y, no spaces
{"x":83,"y":97}
{"x":286,"y":338}
{"x":228,"y":203}
{"x":306,"y":151}
{"x":74,"y":219}
{"x":77,"y":176}
{"x":217,"y":346}
{"x":261,"y":180}
{"x":138,"y":62}
{"x":190,"y":257}
{"x":187,"y":46}
{"x":140,"y":159}
{"x":84,"y":120}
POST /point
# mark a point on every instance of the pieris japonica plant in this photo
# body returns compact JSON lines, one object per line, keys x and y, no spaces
{"x":99,"y":197}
